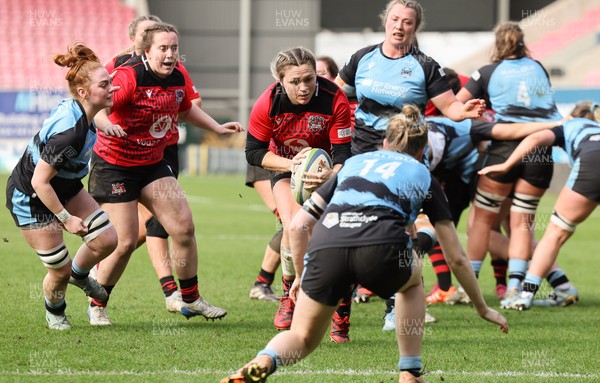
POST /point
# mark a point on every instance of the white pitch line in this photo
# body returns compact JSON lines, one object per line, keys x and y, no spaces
{"x":302,"y":372}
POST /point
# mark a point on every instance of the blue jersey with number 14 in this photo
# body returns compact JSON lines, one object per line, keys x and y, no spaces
{"x":377,"y":195}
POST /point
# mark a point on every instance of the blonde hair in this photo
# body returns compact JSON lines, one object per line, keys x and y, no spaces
{"x":412,"y":4}
{"x":509,"y":42}
{"x":291,"y":57}
{"x":134,"y":24}
{"x":587,"y":109}
{"x":407,"y":131}
{"x":81,"y":61}
{"x":156,"y":28}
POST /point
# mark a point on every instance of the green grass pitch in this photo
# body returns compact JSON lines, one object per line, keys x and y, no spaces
{"x":148,"y":344}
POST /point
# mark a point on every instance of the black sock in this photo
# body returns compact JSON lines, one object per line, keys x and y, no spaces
{"x":500,"y":267}
{"x":389,"y":305}
{"x":109,"y":290}
{"x":168,"y":285}
{"x":265,"y":277}
{"x":56,"y":310}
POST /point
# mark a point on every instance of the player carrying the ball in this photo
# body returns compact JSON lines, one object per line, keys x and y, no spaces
{"x":298,"y":112}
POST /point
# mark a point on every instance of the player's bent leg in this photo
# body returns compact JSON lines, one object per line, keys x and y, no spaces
{"x":410,"y":315}
{"x":288,"y":347}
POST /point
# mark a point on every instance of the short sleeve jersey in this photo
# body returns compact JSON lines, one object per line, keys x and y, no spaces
{"x":289,"y":128}
{"x":375,"y":196}
{"x":575,"y":132}
{"x":518,"y":90}
{"x":383,"y":85}
{"x":453,"y":146}
{"x":146,"y":107}
{"x":65,"y":141}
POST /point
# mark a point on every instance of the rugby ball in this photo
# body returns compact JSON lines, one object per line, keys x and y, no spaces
{"x":310,"y":164}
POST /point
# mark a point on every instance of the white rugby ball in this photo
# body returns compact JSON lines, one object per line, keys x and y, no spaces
{"x":310,"y":164}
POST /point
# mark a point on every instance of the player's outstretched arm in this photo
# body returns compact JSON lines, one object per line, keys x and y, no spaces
{"x":198,"y":117}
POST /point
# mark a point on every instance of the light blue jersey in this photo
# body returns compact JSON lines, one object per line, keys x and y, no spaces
{"x":518,"y":90}
{"x":384,"y":85}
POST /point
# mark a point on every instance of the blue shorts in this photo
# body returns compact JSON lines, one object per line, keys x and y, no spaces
{"x":29,"y":212}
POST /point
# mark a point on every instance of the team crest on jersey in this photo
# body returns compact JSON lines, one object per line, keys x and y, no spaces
{"x":179,"y":93}
{"x":406,"y":72}
{"x":118,"y":188}
{"x":316,"y":123}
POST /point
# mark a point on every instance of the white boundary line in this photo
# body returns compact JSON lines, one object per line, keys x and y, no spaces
{"x":283,"y":371}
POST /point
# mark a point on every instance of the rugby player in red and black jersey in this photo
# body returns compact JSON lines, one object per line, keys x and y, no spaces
{"x":150,"y":230}
{"x":298,"y":112}
{"x":131,"y":168}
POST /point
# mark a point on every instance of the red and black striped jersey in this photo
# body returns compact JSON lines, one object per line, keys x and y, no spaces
{"x":324,"y":121}
{"x":146,"y":107}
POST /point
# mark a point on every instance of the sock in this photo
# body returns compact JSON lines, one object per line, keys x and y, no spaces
{"x":286,"y":286}
{"x":344,"y":308}
{"x":168,"y":285}
{"x":55,"y":308}
{"x":389,"y":304}
{"x":440,"y":267}
{"x":189,"y":289}
{"x":532,"y":283}
{"x":557,"y":277}
{"x":78,"y":272}
{"x":500,"y":267}
{"x":412,"y":364}
{"x":275,"y":359}
{"x":95,"y":302}
{"x":476,"y":266}
{"x":265,"y":277}
{"x":517,"y":268}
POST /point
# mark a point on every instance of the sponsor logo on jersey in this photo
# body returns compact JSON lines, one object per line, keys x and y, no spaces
{"x":343,"y":133}
{"x":118,"y":188}
{"x":179,"y":93}
{"x":316,"y":123}
{"x":70,"y":152}
{"x":149,"y":93}
{"x":161,"y":126}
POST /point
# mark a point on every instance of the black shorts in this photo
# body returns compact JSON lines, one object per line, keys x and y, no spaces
{"x":171,"y":157}
{"x":536,"y":168}
{"x":583,"y":178}
{"x":30,"y":211}
{"x":331,"y":274}
{"x":459,"y":193}
{"x":255,"y":173}
{"x":110,"y":183}
{"x":277,"y":176}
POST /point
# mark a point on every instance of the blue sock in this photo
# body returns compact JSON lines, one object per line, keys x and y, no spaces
{"x":476,"y":266}
{"x":412,"y":364}
{"x":532,"y":283}
{"x":276,"y":361}
{"x":517,"y":268}
{"x":77,"y":271}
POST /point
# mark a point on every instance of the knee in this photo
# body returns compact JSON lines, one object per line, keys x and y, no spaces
{"x":105,"y":243}
{"x":182,"y":230}
{"x":125,"y":247}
